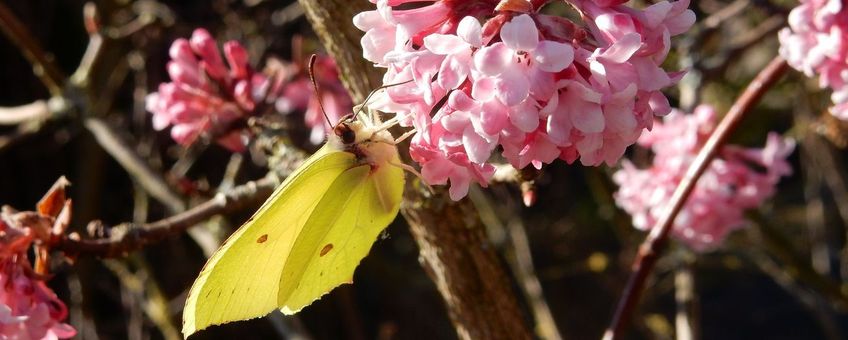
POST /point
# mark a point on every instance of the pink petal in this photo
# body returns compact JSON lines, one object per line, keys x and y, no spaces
{"x":456,"y":122}
{"x":477,"y":148}
{"x":552,"y":56}
{"x":524,"y":116}
{"x":622,"y":49}
{"x":454,"y":71}
{"x":512,"y":88}
{"x":436,"y":172}
{"x":559,"y":128}
{"x":493,"y":117}
{"x":494,"y":59}
{"x":651,"y":76}
{"x":587,"y":117}
{"x":444,"y":44}
{"x":204,"y":45}
{"x":368,"y":20}
{"x":656,"y":13}
{"x":484,"y":89}
{"x":460,"y":101}
{"x":470,"y":30}
{"x":520,"y":34}
{"x":680,"y":23}
{"x":181,"y":50}
{"x":459,"y":186}
{"x":237,"y":58}
{"x":659,"y":104}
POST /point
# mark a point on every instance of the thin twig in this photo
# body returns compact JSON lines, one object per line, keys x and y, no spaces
{"x":685,"y":297}
{"x":37,"y":110}
{"x":652,"y":247}
{"x":42,"y":66}
{"x":128,"y":237}
{"x":135,"y":166}
{"x":716,"y":19}
{"x":139,"y":283}
{"x":526,"y":272}
{"x":715,"y":66}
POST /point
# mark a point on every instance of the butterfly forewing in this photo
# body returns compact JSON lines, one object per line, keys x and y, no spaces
{"x":241,"y":280}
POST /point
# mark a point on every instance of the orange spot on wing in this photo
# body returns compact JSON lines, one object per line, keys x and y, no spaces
{"x":326,"y":249}
{"x":262,"y":238}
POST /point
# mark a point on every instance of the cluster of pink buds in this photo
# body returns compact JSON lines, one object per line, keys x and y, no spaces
{"x":481,"y":74}
{"x":816,"y":43}
{"x":205,"y":95}
{"x":739,"y":179}
{"x":28,"y":308}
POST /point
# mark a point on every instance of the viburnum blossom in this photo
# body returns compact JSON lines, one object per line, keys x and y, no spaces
{"x":537,"y":87}
{"x":206,"y":95}
{"x":297,"y":95}
{"x":816,"y":43}
{"x":738,"y":179}
{"x":28,"y":308}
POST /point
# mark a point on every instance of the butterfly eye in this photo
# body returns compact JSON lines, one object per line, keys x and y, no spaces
{"x":345,"y":133}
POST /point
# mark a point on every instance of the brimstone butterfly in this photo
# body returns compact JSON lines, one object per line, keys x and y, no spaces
{"x":310,"y":235}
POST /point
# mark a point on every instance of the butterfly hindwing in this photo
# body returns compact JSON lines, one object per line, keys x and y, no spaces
{"x":327,"y":255}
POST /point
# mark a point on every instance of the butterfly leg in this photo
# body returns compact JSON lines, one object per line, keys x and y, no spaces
{"x":388,"y":124}
{"x":404,"y":136}
{"x":410,"y":169}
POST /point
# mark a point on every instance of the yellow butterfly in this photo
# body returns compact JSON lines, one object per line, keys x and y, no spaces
{"x":310,"y":235}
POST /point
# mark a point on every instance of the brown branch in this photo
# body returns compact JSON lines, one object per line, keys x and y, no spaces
{"x":128,"y":237}
{"x":42,"y":66}
{"x":653,"y":246}
{"x":454,"y":250}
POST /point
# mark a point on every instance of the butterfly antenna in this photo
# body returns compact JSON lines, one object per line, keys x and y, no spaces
{"x":368,"y":98}
{"x":317,"y":90}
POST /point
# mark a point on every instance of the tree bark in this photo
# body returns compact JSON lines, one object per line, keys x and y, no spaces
{"x":454,"y":249}
{"x":332,"y":21}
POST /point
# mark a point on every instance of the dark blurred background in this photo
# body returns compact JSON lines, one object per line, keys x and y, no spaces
{"x":581,"y":244}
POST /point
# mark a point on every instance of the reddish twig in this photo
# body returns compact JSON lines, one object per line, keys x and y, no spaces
{"x":42,"y":66}
{"x":652,"y":247}
{"x":128,"y":237}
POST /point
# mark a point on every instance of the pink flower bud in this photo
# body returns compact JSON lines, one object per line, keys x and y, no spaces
{"x":205,"y":47}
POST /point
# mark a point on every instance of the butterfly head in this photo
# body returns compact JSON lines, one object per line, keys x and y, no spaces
{"x":345,"y":130}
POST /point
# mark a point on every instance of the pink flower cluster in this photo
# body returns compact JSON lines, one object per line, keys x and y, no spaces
{"x":297,"y":96}
{"x":28,"y":308}
{"x":205,"y":95}
{"x":540,"y":87}
{"x":816,"y":43}
{"x":739,"y":179}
